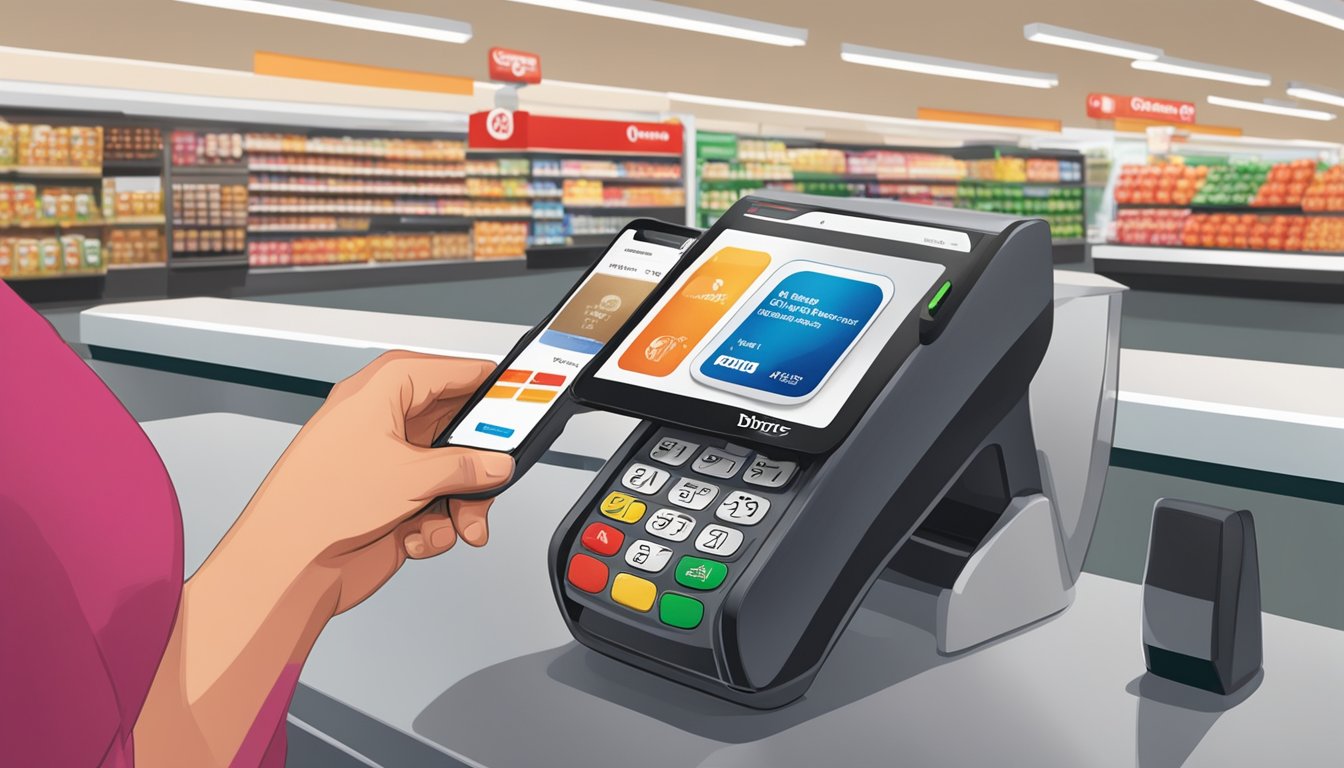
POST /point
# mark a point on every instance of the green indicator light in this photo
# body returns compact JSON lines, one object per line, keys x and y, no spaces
{"x":938,"y":297}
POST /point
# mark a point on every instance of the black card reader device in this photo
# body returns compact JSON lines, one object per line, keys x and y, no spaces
{"x":818,"y":380}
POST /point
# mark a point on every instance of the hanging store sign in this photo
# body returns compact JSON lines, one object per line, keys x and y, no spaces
{"x":511,"y":66}
{"x":1108,"y":106}
{"x":501,"y":129}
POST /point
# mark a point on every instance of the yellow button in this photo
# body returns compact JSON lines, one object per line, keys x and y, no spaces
{"x":623,"y":507}
{"x":633,"y":592}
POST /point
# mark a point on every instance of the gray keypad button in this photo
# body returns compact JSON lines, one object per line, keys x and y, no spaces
{"x":670,"y":524}
{"x":742,"y":508}
{"x":719,"y":540}
{"x":645,"y":479}
{"x":769,"y":474}
{"x":717,"y":463}
{"x":672,"y":452}
{"x":692,"y":494}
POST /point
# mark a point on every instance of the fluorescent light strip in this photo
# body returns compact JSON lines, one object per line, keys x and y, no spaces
{"x":1314,"y":93}
{"x":1327,"y":12}
{"x":1069,"y":38}
{"x":1185,"y":68}
{"x":1272,"y":108}
{"x":351,"y":15}
{"x":680,"y":17}
{"x":930,"y":65}
{"x":22,"y":93}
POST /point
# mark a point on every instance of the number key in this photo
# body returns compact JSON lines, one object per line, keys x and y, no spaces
{"x":717,"y":463}
{"x":670,"y":524}
{"x":692,"y":494}
{"x":643,"y":478}
{"x":647,"y":556}
{"x":672,"y":452}
{"x":769,"y":474}
{"x":719,"y":540}
{"x":742,"y":508}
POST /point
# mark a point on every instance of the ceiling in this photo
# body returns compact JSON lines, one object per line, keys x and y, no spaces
{"x":579,"y":48}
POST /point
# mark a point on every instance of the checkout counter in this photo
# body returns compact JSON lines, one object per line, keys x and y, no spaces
{"x":464,"y":659}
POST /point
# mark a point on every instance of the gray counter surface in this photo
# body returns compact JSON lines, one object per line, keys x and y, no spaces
{"x":464,"y":659}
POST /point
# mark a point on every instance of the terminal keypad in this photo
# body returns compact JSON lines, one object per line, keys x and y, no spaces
{"x":677,"y":522}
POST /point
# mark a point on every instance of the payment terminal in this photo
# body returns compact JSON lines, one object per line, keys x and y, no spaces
{"x":819,"y":380}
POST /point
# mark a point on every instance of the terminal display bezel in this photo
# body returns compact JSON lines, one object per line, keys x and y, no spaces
{"x":762,"y":216}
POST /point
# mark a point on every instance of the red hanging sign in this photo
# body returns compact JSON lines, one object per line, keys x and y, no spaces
{"x":514,"y":66}
{"x":1108,"y":106}
{"x":502,"y":129}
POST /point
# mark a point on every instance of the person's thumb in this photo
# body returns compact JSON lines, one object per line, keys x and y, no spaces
{"x":434,"y":472}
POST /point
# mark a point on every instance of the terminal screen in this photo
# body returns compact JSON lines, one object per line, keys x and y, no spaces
{"x":781,"y":327}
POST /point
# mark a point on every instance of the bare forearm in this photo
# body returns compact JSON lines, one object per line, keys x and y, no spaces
{"x":251,"y":611}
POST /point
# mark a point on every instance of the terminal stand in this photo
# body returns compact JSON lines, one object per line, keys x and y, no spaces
{"x":994,"y":555}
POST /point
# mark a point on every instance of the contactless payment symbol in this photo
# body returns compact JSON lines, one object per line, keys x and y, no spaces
{"x":793,"y":335}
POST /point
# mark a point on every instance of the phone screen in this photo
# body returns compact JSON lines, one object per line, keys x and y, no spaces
{"x":532,"y":384}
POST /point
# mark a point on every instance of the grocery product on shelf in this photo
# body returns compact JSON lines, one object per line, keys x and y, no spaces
{"x":70,"y":254}
{"x":192,"y":148}
{"x":210,"y":205}
{"x":605,"y":169}
{"x":62,"y":146}
{"x":441,"y":150}
{"x":1326,"y":191}
{"x":136,"y":198}
{"x":501,"y":166}
{"x":132,"y":143}
{"x":762,"y":150}
{"x":1158,"y":226}
{"x":499,"y":239}
{"x":209,"y":240}
{"x":816,"y":160}
{"x":717,"y":170}
{"x":1285,"y":185}
{"x":509,"y":186}
{"x":1160,"y":184}
{"x":262,"y":203}
{"x":587,"y":226}
{"x":305,"y":223}
{"x":353,"y":166}
{"x":134,"y":245}
{"x":332,"y":185}
{"x":1231,"y":185}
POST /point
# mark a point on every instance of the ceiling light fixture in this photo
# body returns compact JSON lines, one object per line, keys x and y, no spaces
{"x":351,"y":15}
{"x":1327,"y":12}
{"x":930,"y":65}
{"x":1273,"y":107}
{"x":1316,"y":93}
{"x":1186,"y":68}
{"x":37,"y":95}
{"x":1083,"y":41}
{"x":681,"y":17}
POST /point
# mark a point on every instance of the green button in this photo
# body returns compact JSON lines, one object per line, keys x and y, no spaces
{"x":680,"y":611}
{"x":939,"y":296}
{"x":699,"y":573}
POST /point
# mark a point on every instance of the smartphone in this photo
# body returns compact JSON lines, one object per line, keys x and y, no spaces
{"x":524,"y":404}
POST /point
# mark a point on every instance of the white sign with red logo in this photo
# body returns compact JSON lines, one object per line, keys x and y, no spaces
{"x":514,"y":66}
{"x":1108,"y":106}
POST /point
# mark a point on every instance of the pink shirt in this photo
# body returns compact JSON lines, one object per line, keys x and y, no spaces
{"x":90,"y":561}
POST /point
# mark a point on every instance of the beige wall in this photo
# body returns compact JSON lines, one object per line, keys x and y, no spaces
{"x":580,"y":48}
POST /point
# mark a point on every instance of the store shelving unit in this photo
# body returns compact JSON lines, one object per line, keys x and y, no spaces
{"x":998,"y":179}
{"x":578,"y":199}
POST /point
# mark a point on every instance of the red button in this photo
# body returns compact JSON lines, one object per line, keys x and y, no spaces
{"x":549,"y":379}
{"x":587,"y":573}
{"x":603,"y":539}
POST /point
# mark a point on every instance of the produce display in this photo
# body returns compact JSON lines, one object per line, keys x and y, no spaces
{"x":1326,"y":191}
{"x":1165,"y":184}
{"x":1285,"y":185}
{"x":1231,"y":185}
{"x":1048,"y":187}
{"x":1239,"y":231}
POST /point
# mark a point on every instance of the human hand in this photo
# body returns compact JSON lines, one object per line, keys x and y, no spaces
{"x":342,"y":500}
